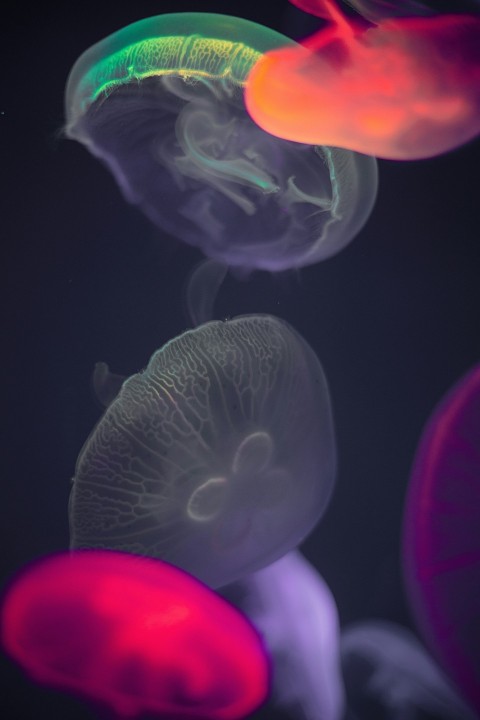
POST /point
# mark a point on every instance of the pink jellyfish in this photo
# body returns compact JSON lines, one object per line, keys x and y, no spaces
{"x":442,"y":535}
{"x":135,"y":634}
{"x":404,"y":88}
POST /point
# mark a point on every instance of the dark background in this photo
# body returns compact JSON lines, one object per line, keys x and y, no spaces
{"x":394,"y":318}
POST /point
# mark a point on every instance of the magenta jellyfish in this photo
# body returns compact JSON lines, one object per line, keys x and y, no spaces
{"x":442,"y":535}
{"x":135,"y":634}
{"x":161,"y":103}
{"x":389,"y":89}
{"x":219,"y":457}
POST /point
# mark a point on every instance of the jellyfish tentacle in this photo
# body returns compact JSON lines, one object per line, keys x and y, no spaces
{"x":106,"y":385}
{"x":202,"y":290}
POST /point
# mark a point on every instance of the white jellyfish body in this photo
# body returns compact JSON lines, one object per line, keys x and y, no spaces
{"x":218,"y":458}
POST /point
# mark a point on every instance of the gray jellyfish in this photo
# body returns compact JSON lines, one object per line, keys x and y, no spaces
{"x":161,"y":103}
{"x":389,"y":674}
{"x":219,"y":457}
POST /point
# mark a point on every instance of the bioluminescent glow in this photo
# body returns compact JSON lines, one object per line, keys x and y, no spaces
{"x":135,"y":634}
{"x":161,"y":103}
{"x":219,"y":457}
{"x":441,"y":535}
{"x":405,"y":88}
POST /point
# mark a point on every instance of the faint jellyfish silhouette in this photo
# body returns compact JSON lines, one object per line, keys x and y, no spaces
{"x":161,"y":103}
{"x":375,"y":10}
{"x":441,"y":540}
{"x":135,"y":634}
{"x":389,"y":90}
{"x":219,"y":457}
{"x":294,"y":610}
{"x":388,"y":673}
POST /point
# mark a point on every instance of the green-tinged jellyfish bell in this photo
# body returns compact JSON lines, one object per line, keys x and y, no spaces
{"x":161,"y":103}
{"x":218,"y":458}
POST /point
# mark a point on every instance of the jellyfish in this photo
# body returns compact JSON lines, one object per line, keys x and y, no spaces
{"x":441,"y":540}
{"x":161,"y":104}
{"x":371,"y":10}
{"x":388,"y":673}
{"x":293,"y":608}
{"x":218,"y":458}
{"x":404,"y":89}
{"x":136,"y":635}
{"x":375,"y":10}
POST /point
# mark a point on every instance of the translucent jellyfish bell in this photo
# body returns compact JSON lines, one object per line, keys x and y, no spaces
{"x":219,"y":457}
{"x":161,"y":103}
{"x":136,"y":635}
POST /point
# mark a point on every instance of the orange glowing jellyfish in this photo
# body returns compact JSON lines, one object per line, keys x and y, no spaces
{"x":405,"y":88}
{"x":135,"y":634}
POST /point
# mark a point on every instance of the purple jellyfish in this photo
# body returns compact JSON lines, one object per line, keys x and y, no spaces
{"x":294,"y":610}
{"x":442,"y":535}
